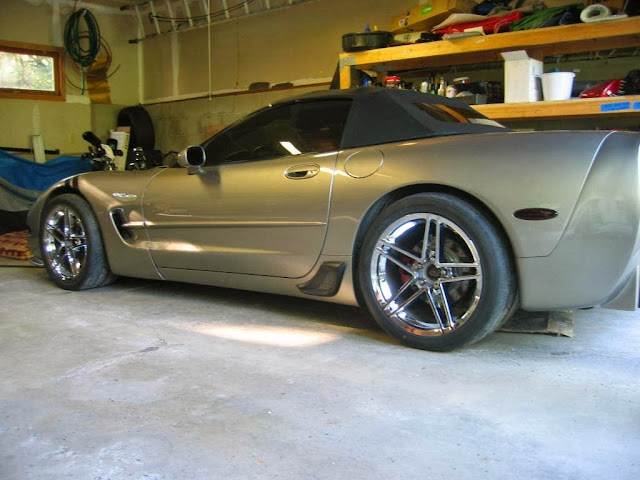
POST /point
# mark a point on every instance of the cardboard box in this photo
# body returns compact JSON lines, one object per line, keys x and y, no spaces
{"x":426,"y":15}
{"x":121,"y":135}
{"x":521,"y":77}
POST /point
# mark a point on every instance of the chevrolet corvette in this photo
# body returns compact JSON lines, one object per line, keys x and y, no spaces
{"x":438,"y":220}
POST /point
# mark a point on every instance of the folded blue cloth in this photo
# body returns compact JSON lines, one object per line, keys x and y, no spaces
{"x":40,"y":176}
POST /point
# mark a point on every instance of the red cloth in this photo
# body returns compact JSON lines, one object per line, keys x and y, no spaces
{"x":490,"y":25}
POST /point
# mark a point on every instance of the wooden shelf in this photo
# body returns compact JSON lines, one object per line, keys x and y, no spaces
{"x":583,"y":37}
{"x":577,"y":108}
{"x":539,"y":43}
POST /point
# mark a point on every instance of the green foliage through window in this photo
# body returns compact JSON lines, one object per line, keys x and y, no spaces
{"x":30,"y":71}
{"x":26,"y":72}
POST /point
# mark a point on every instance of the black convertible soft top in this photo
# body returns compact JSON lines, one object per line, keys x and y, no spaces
{"x":384,"y":115}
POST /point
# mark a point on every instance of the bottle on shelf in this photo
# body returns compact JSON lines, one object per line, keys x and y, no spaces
{"x":442,"y":86}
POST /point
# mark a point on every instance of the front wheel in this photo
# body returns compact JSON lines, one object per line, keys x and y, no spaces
{"x":72,"y":248}
{"x":436,"y":273}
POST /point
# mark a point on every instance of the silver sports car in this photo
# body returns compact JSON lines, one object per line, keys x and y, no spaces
{"x":438,"y":220}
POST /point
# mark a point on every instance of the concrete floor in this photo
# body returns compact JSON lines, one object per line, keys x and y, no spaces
{"x":149,"y":380}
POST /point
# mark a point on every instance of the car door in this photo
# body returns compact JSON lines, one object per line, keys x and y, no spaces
{"x":260,"y":205}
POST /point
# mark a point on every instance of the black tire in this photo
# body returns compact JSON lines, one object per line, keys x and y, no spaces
{"x":436,"y":298}
{"x":71,"y":245}
{"x":142,"y":133}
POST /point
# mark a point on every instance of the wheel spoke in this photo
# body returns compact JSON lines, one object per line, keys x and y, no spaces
{"x":72,"y":260}
{"x":433,"y":303}
{"x":397,"y":262}
{"x":458,"y":265}
{"x":405,"y":303}
{"x":393,"y":246}
{"x":400,"y":291}
{"x":67,"y":223}
{"x":424,"y":255}
{"x":446,"y":307}
{"x":436,"y":257}
{"x":461,"y":278}
{"x":55,"y":233}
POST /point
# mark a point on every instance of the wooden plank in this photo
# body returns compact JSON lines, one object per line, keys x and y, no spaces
{"x":346,"y":76}
{"x":576,"y":108}
{"x":548,"y":41}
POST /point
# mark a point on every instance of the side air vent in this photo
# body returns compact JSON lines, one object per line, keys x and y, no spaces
{"x":119,"y":221}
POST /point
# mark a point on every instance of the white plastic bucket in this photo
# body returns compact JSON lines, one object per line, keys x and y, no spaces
{"x":557,"y":85}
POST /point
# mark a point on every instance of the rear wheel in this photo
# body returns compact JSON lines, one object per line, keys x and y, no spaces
{"x":436,"y":273}
{"x":72,"y":248}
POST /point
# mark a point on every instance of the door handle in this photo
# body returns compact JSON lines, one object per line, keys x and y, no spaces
{"x":300,"y":172}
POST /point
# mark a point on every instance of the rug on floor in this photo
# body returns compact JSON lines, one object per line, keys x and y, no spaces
{"x":14,"y":245}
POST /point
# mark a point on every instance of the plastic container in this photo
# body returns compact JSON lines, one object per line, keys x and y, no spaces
{"x":557,"y":85}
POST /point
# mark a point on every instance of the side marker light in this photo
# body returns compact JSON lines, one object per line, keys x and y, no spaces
{"x":535,"y":214}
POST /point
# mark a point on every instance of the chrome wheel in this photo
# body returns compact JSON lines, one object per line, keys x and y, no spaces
{"x":64,"y":242}
{"x":425,"y":274}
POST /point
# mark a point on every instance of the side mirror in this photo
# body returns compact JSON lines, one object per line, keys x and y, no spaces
{"x":193,"y":158}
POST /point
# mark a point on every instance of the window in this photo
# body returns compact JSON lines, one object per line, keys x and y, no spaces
{"x":283,"y":130}
{"x":31,"y":71}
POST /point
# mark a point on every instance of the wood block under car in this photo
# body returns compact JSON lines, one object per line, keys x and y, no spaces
{"x":551,"y":323}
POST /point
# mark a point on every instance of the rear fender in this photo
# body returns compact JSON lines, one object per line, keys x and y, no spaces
{"x":597,"y":257}
{"x":505,"y":172}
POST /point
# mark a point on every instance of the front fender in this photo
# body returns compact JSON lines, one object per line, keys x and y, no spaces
{"x":116,"y":200}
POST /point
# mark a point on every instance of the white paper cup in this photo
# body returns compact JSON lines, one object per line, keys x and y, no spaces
{"x":557,"y":85}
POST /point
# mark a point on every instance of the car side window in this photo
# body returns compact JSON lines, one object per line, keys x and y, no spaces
{"x":282,"y":130}
{"x":320,"y":125}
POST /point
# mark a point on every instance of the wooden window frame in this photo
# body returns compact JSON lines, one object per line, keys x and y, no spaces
{"x":57,"y":53}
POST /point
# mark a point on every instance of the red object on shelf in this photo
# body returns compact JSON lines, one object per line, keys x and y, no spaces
{"x":490,"y":25}
{"x":610,"y":88}
{"x":392,"y":82}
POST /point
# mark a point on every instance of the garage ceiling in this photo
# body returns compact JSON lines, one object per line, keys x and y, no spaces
{"x":109,"y":3}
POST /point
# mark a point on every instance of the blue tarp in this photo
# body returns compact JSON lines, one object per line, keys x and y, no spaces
{"x":31,"y":175}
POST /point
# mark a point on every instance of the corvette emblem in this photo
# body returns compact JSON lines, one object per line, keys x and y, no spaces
{"x":124,"y":196}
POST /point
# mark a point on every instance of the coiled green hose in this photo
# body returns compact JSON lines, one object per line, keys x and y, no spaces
{"x":75,"y":40}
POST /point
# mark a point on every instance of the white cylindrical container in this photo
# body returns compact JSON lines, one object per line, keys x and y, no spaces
{"x":557,"y":85}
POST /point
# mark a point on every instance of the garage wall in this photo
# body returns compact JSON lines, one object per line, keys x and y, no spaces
{"x":170,"y":74}
{"x":299,"y":44}
{"x":62,"y":123}
{"x":296,"y":44}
